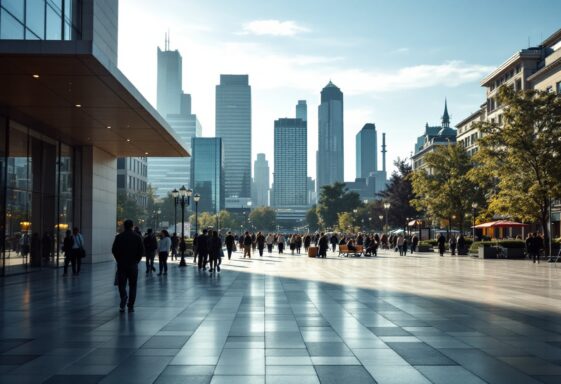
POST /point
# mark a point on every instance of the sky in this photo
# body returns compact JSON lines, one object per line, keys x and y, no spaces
{"x":395,"y":61}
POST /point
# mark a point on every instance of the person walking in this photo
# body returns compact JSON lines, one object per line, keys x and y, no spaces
{"x":174,"y":245}
{"x":441,"y":241}
{"x":298,"y":244}
{"x":230,"y":243}
{"x":405,"y":246}
{"x":452,"y":245}
{"x":323,"y":243}
{"x":307,"y":242}
{"x":292,"y":243}
{"x":67,"y":249}
{"x":260,"y":239}
{"x":164,"y":246}
{"x":462,"y":245}
{"x":280,"y":243}
{"x":247,"y":241}
{"x":414,"y":243}
{"x":127,"y":250}
{"x":214,"y":252}
{"x":150,"y":247}
{"x":270,"y":240}
{"x":334,"y":242}
{"x":78,"y":252}
{"x":399,"y":243}
{"x":203,"y":248}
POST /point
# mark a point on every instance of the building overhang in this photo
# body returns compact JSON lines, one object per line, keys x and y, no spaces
{"x":64,"y":90}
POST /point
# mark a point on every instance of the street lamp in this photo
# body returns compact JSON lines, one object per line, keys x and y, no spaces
{"x":381,"y":217}
{"x":175,"y":195}
{"x":387,"y":207}
{"x":249,"y":204}
{"x":158,"y":213}
{"x":474,"y":207}
{"x":196,"y":199}
{"x":183,"y":193}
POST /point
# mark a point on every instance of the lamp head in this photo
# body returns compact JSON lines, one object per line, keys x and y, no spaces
{"x":196,"y":197}
{"x":183,"y":191}
{"x":175,"y":193}
{"x":474,"y":205}
{"x":189,"y":192}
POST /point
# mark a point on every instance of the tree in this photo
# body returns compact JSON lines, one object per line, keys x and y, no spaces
{"x":347,"y":222}
{"x":128,"y":208}
{"x":263,"y":218}
{"x":399,"y":193}
{"x":227,"y":221}
{"x":444,"y":188}
{"x":312,"y":219}
{"x":522,"y":155}
{"x":335,"y":199}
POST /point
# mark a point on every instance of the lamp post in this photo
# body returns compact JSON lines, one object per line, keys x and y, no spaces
{"x":183,"y":193}
{"x":249,"y":204}
{"x":175,"y":195}
{"x":474,"y":207}
{"x":158,"y":213}
{"x":196,"y":199}
{"x":381,"y":217}
{"x":387,"y":207}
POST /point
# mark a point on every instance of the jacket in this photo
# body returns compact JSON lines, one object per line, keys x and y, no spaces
{"x":127,"y":249}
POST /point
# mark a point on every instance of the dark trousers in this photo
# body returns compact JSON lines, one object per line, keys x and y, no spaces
{"x":150,"y":255}
{"x":260,"y":251}
{"x":333,"y":246}
{"x":229,"y":250}
{"x":281,"y":247}
{"x":76,"y":261}
{"x":163,"y":259}
{"x":127,"y":274}
{"x":269,"y":248}
{"x":536,"y":256}
{"x":453,"y":250}
{"x":322,"y":252}
{"x":202,"y":260}
{"x":213,"y":260}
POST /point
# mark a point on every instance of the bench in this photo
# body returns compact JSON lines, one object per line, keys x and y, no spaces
{"x":344,"y":250}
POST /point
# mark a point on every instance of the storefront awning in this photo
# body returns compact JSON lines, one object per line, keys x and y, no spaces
{"x":75,"y":98}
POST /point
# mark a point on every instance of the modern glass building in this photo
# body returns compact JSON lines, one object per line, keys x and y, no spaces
{"x":290,"y":186}
{"x":164,"y":173}
{"x":207,"y":177}
{"x":302,"y":110}
{"x":330,"y":155}
{"x":66,"y":114}
{"x":366,"y":151}
{"x":261,"y":181}
{"x":233,"y":125}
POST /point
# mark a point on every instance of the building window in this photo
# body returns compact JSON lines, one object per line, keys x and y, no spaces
{"x":558,"y":87}
{"x":121,"y":181}
{"x":10,"y":27}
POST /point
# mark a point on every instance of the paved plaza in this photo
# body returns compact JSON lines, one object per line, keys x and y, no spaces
{"x":290,"y":319}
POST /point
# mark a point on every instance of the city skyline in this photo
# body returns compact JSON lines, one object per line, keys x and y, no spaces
{"x":291,"y":52}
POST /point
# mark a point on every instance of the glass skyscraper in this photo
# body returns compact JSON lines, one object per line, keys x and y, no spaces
{"x":207,"y":173}
{"x":233,"y":125}
{"x":366,"y":151}
{"x":302,"y":110}
{"x":261,"y":181}
{"x":290,"y":185}
{"x":330,"y":155}
{"x":168,"y":173}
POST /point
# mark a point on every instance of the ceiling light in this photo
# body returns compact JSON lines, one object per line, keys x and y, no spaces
{"x":78,"y":105}
{"x":146,"y":153}
{"x":108,"y":127}
{"x":128,"y":140}
{"x":35,"y":76}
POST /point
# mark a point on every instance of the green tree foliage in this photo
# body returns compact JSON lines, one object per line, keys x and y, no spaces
{"x":127,"y":208}
{"x":347,"y":222}
{"x":335,"y":199}
{"x":312,"y":219}
{"x":399,"y":193}
{"x":522,"y":155}
{"x":263,"y":219}
{"x":444,"y":188}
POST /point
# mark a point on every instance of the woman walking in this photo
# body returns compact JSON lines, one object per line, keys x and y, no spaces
{"x":214,"y":252}
{"x":260,"y":239}
{"x":270,"y":241}
{"x":164,"y":246}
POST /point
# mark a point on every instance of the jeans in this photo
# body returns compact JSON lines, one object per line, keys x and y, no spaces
{"x":203,"y":260}
{"x":260,"y":251}
{"x":163,"y":259}
{"x":127,"y":274}
{"x":150,"y":255}
{"x":76,"y":261}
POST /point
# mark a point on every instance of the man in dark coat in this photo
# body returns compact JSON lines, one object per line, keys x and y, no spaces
{"x":203,"y":248}
{"x":127,"y":251}
{"x":323,"y":244}
{"x":441,"y":244}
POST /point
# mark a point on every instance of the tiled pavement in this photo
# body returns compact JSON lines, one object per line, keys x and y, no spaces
{"x":289,"y":319}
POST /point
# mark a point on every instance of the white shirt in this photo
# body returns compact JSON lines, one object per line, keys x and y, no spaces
{"x":164,"y":245}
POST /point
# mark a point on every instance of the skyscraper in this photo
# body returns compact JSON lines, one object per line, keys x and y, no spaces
{"x":302,"y":110}
{"x":290,"y":187}
{"x":233,"y":125}
{"x":330,"y":155}
{"x":168,"y":173}
{"x":207,"y":173}
{"x":261,"y":181}
{"x":366,"y":151}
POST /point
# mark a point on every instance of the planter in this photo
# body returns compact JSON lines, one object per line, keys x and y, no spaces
{"x":424,"y":248}
{"x":487,"y":252}
{"x":513,"y":253}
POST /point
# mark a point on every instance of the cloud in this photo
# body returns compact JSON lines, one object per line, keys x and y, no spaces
{"x":401,"y":51}
{"x":273,"y":28}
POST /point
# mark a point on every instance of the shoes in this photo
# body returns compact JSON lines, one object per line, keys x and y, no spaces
{"x":165,"y":273}
{"x":160,"y":274}
{"x":121,"y":309}
{"x":218,"y":268}
{"x":153,"y":269}
{"x":147,"y":272}
{"x":131,"y":309}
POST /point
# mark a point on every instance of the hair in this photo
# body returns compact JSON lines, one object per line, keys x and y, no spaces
{"x":127,"y":224}
{"x":149,"y":230}
{"x":165,"y":232}
{"x":214,"y":233}
{"x":68,"y":232}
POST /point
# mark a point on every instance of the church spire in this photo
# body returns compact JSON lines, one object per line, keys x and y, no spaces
{"x":445,"y":116}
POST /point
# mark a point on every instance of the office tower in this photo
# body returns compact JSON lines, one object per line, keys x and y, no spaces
{"x":63,"y":130}
{"x":330,"y":155}
{"x":366,"y":151}
{"x":233,"y":125}
{"x":311,"y":191}
{"x":168,"y":173}
{"x":132,"y":178}
{"x":302,"y":110}
{"x":207,"y":173}
{"x":290,"y":187}
{"x":261,"y":181}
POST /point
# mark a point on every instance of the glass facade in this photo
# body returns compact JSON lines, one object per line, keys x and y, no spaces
{"x":40,"y":19}
{"x":206,"y":173}
{"x":36,"y":197}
